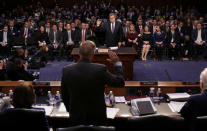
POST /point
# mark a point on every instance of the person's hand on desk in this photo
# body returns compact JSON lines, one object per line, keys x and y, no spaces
{"x":113,"y":58}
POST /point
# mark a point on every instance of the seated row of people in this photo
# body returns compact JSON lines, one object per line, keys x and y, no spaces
{"x":177,"y":45}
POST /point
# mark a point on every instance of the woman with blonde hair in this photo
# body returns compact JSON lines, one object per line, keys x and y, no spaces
{"x":147,"y":41}
{"x":132,"y":37}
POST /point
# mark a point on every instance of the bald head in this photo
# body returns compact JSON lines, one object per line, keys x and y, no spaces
{"x":87,"y":49}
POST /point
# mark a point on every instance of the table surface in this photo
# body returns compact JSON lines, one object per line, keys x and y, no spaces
{"x":124,"y":112}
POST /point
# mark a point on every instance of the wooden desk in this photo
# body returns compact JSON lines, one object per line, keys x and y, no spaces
{"x":166,"y":87}
{"x":126,"y":55}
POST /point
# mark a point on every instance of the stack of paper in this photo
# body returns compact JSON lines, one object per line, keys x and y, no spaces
{"x":111,"y":112}
{"x":176,"y":106}
{"x":62,"y":108}
{"x":120,"y":99}
{"x":113,"y":48}
{"x":178,"y":96}
{"x":48,"y":109}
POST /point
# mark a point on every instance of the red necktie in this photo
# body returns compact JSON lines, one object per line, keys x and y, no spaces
{"x":83,"y":36}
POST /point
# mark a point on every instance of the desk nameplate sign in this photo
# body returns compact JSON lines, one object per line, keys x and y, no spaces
{"x":148,"y":83}
{"x":190,"y":82}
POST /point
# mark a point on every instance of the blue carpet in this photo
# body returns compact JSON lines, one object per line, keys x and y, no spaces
{"x":143,"y":70}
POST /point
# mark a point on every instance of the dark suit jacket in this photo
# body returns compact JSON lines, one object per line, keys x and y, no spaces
{"x":8,"y":37}
{"x":195,"y":35}
{"x":59,"y":37}
{"x":195,"y":106}
{"x":74,"y":37}
{"x":83,"y":86}
{"x":79,"y":35}
{"x":41,"y":37}
{"x":169,"y":37}
{"x":111,"y":39}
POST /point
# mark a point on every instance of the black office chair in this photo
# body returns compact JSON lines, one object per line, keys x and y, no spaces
{"x":23,"y":120}
{"x":154,"y":122}
{"x":87,"y":128}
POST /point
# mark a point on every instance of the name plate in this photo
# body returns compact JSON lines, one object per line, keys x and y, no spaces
{"x":103,"y":50}
{"x":148,"y":83}
{"x":41,"y":83}
{"x":190,"y":83}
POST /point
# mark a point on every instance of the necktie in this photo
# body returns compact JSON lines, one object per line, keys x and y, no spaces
{"x":83,"y":36}
{"x":69,"y":35}
{"x":26,"y":32}
{"x":112,"y":29}
{"x":55,"y":37}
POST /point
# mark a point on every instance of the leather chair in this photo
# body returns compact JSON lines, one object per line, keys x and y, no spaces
{"x":87,"y":128}
{"x":154,"y":122}
{"x":23,"y":120}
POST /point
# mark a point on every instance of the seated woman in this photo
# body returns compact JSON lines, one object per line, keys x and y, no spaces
{"x":159,"y":38}
{"x":24,"y":97}
{"x":147,"y":40}
{"x":132,"y":37}
{"x":41,"y":37}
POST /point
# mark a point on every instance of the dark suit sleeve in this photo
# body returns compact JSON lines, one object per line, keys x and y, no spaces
{"x":114,"y":80}
{"x":188,"y":109}
{"x":64,"y":91}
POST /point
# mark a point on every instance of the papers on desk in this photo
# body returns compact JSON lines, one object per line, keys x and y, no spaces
{"x":178,"y":96}
{"x":111,"y":112}
{"x":48,"y":109}
{"x":120,"y":99}
{"x":176,"y":106}
{"x":113,"y":48}
{"x":62,"y":108}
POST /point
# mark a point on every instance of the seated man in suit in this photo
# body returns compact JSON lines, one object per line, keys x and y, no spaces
{"x":26,"y":34}
{"x":83,"y":86}
{"x":172,"y":40}
{"x":112,"y":29}
{"x":83,"y":34}
{"x":55,"y":38}
{"x":199,"y":40}
{"x":69,"y":41}
{"x":196,"y":105}
{"x":5,"y":38}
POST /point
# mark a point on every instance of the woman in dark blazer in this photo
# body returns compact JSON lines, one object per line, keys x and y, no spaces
{"x":159,"y":39}
{"x":147,"y":41}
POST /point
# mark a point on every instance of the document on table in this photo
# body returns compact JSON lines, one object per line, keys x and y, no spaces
{"x":62,"y":108}
{"x":48,"y":109}
{"x":177,"y":96}
{"x":113,"y":48}
{"x":120,"y":99}
{"x":103,"y":50}
{"x":111,"y":112}
{"x":176,"y":106}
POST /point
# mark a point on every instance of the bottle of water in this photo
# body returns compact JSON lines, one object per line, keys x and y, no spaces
{"x":151,"y":93}
{"x":49,"y":95}
{"x":159,"y":93}
{"x":10,"y":95}
{"x":57,"y":96}
{"x":107,"y":100}
{"x":112,"y":98}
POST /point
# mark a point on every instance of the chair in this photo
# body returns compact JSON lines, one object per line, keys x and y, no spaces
{"x":23,"y":120}
{"x":154,"y":122}
{"x":87,"y":128}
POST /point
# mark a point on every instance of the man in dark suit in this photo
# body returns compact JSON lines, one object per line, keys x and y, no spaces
{"x":112,"y":29}
{"x":83,"y":33}
{"x":172,"y":41}
{"x":83,"y":86}
{"x":196,"y":105}
{"x":26,"y":34}
{"x":69,"y":41}
{"x":5,"y":41}
{"x":55,"y":38}
{"x":48,"y":28}
{"x":199,"y":40}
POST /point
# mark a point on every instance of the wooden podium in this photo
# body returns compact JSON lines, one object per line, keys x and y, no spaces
{"x":126,"y":56}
